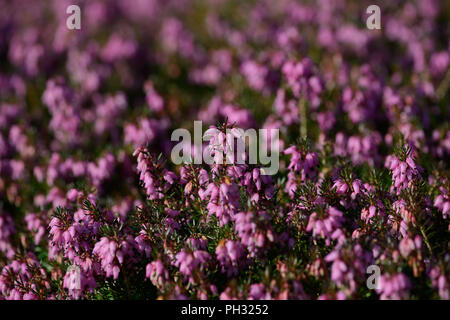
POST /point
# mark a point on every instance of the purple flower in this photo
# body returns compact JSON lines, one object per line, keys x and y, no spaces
{"x":403,"y":172}
{"x":393,"y":286}
{"x":442,"y":202}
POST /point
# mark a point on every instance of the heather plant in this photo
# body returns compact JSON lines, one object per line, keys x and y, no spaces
{"x":93,"y":207}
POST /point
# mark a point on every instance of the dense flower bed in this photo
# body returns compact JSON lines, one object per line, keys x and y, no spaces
{"x":92,"y":207}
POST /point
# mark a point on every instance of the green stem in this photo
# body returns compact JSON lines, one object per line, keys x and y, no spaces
{"x":303,"y":119}
{"x":425,"y":238}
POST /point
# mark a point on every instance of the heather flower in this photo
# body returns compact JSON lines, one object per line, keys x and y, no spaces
{"x":79,"y":211}
{"x":303,"y":81}
{"x":286,"y":110}
{"x":253,"y":231}
{"x":176,"y":39}
{"x":35,"y":225}
{"x":157,"y":273}
{"x":326,"y":225}
{"x":118,"y":48}
{"x":400,"y":224}
{"x":154,"y":100}
{"x":439,"y":279}
{"x":217,"y":110}
{"x":197,"y":244}
{"x":6,"y":231}
{"x":443,"y":143}
{"x":208,"y":75}
{"x":255,"y":74}
{"x":231,"y":256}
{"x":348,"y":267}
{"x":258,"y":185}
{"x":149,"y":172}
{"x":190,"y":263}
{"x":114,"y":254}
{"x":64,"y":108}
{"x":326,"y":120}
{"x":20,"y":142}
{"x":439,"y":62}
{"x":258,"y":291}
{"x":368,"y":214}
{"x":360,"y":149}
{"x":143,"y":243}
{"x":77,"y":282}
{"x":107,"y":112}
{"x":145,"y":132}
{"x":342,"y":187}
{"x":22,"y":278}
{"x":63,"y":235}
{"x":300,"y":163}
{"x":229,"y":294}
{"x":408,"y":245}
{"x":223,"y":201}
{"x":100,"y":171}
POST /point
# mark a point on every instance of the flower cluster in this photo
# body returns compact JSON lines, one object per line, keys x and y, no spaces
{"x":92,"y":207}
